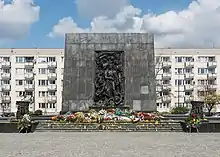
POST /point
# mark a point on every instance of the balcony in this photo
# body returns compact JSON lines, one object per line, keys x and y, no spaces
{"x":212,"y":64}
{"x":159,"y":100}
{"x":29,"y":65}
{"x":6,"y":76}
{"x":189,"y":76}
{"x":166,"y":87}
{"x":188,"y":87}
{"x":212,"y":87}
{"x":29,"y":76}
{"x":166,"y":64}
{"x":6,"y":65}
{"x":159,"y":88}
{"x":212,"y":76}
{"x":6,"y":99}
{"x":189,"y":64}
{"x":166,"y":99}
{"x":52,"y":99}
{"x":6,"y":87}
{"x":188,"y":98}
{"x":52,"y":76}
{"x":29,"y":87}
{"x":52,"y":65}
{"x":166,"y":76}
{"x":52,"y":87}
{"x":28,"y":98}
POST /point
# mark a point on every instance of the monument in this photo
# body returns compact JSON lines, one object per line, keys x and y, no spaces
{"x":109,"y":70}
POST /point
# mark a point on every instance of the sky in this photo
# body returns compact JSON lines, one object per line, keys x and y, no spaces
{"x":175,"y":23}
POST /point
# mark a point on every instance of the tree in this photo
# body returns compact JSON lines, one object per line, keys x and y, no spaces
{"x":209,"y":95}
{"x":211,"y":101}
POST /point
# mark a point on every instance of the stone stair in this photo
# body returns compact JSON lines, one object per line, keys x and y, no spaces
{"x":109,"y":127}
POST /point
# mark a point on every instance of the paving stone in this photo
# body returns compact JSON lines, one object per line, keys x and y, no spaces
{"x":109,"y":144}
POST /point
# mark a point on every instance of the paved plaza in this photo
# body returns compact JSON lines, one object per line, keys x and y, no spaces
{"x":107,"y":144}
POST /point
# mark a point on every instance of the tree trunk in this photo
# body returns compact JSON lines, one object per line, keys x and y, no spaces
{"x":210,"y":109}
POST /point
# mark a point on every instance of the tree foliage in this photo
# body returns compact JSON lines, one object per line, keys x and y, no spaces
{"x":211,"y":100}
{"x":179,"y":110}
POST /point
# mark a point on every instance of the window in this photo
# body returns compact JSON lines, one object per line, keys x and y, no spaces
{"x":20,"y":93}
{"x":52,"y":93}
{"x":28,"y":70}
{"x":206,"y":59}
{"x":179,"y":70}
{"x":166,"y":59}
{"x":6,"y":93}
{"x":6,"y":70}
{"x":5,"y":59}
{"x":29,"y":82}
{"x":51,"y":59}
{"x":188,"y":93}
{"x":188,"y":70}
{"x":52,"y":105}
{"x":52,"y":82}
{"x":179,"y":82}
{"x":166,"y":71}
{"x":42,"y":82}
{"x":62,"y":71}
{"x":166,"y":82}
{"x":202,"y":71}
{"x":62,"y":59}
{"x":19,"y":82}
{"x":29,"y":93}
{"x":51,"y":70}
{"x":19,"y":59}
{"x":5,"y":82}
{"x":179,"y":59}
{"x":188,"y":82}
{"x":42,"y":71}
{"x":42,"y":93}
{"x":211,"y":59}
{"x":42,"y":59}
{"x":28,"y":59}
{"x":43,"y":105}
{"x":19,"y":71}
{"x":189,"y":59}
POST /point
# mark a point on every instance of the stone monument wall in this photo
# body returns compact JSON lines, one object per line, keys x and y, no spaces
{"x":80,"y":68}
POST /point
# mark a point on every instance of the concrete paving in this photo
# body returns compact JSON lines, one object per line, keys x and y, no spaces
{"x":107,"y":144}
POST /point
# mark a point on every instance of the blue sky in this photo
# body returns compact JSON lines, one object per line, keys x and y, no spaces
{"x":51,"y":11}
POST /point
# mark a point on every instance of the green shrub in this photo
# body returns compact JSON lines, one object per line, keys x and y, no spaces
{"x":179,"y":110}
{"x":38,"y":112}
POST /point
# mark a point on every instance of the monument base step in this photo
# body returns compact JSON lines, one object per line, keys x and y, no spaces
{"x":108,"y":127}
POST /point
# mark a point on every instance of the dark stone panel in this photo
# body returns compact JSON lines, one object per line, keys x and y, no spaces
{"x":138,"y":70}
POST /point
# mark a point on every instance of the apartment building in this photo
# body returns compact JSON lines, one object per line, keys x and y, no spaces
{"x":184,"y":75}
{"x":33,"y":75}
{"x":36,"y":75}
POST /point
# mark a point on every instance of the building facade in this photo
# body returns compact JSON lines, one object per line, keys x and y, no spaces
{"x":182,"y":75}
{"x":33,"y":75}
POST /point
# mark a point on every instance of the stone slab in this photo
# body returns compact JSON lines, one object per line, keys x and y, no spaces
{"x":79,"y":68}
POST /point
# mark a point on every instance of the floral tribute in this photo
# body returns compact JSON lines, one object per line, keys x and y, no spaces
{"x":193,"y":120}
{"x":110,"y":115}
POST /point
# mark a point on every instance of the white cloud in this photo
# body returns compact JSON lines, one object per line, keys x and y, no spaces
{"x":196,"y":26}
{"x":94,"y":8}
{"x":65,"y":25}
{"x":16,"y":18}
